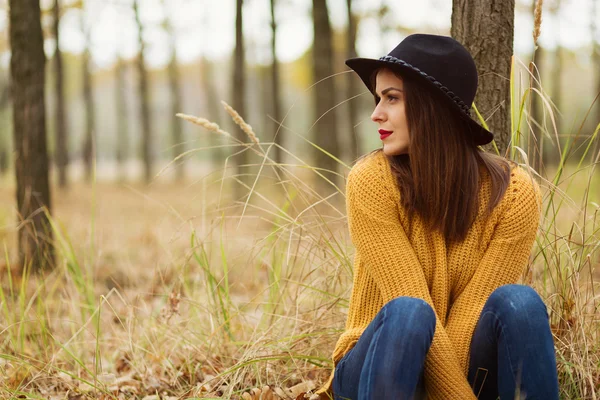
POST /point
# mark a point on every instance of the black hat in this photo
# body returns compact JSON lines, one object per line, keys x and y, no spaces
{"x":440,"y":61}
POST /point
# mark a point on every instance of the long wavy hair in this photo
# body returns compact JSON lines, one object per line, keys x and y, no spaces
{"x":439,"y":178}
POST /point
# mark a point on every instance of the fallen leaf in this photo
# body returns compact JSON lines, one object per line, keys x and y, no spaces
{"x":301,"y":388}
{"x":279,"y":392}
{"x":267,"y":393}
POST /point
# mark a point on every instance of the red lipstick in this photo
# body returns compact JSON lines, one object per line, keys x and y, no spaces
{"x":383,"y":133}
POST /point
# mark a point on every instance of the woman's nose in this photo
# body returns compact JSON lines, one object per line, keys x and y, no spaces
{"x":378,"y":115}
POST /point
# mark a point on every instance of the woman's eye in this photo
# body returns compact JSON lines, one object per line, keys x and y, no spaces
{"x":390,"y":98}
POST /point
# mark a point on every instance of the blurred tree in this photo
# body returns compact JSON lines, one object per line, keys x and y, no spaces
{"x":596,"y":53}
{"x":178,"y":144}
{"x":5,"y":130}
{"x":89,"y":142}
{"x":61,"y":152}
{"x":275,"y":88}
{"x":121,"y":108}
{"x":3,"y":161}
{"x":238,"y":92}
{"x":263,"y":75}
{"x":29,"y":132}
{"x":535,"y":69}
{"x":325,"y":130}
{"x":352,"y":82}
{"x":4,"y":146}
{"x":144,"y":95}
{"x":486,"y":29}
{"x":557,"y":72}
{"x":385,"y":20}
{"x":212,"y":110}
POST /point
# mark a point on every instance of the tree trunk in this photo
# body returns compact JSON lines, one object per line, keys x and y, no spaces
{"x":557,"y":74}
{"x":278,"y":132}
{"x":3,"y":160}
{"x":175,"y":86}
{"x":352,"y":83}
{"x":146,"y":145}
{"x":536,"y":138}
{"x":61,"y":158}
{"x":536,"y":153}
{"x":212,"y":110}
{"x":29,"y":133}
{"x":4,"y":134}
{"x":596,"y":56}
{"x":90,"y":114}
{"x":122,"y":134}
{"x":263,"y":77}
{"x":325,"y":130}
{"x":238,"y":95}
{"x":486,"y":29}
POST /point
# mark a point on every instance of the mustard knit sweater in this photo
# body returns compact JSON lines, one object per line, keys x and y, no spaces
{"x":455,"y":280}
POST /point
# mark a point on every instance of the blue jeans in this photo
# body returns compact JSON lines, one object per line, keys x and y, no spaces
{"x":512,"y":351}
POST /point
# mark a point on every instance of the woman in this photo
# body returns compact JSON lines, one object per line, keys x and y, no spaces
{"x":442,"y":232}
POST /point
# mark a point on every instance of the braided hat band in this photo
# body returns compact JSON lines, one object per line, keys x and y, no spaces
{"x":457,"y":100}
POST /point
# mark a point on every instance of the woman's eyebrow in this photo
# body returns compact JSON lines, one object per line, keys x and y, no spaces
{"x":388,"y":89}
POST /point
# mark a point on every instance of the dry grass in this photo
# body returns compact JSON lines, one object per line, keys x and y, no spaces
{"x":162,"y":301}
{"x":167,"y":292}
{"x":537,"y":20}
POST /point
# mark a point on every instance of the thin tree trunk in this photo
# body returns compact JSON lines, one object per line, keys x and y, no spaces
{"x":176,"y":107}
{"x":352,"y":83}
{"x":325,"y":132}
{"x":212,"y":109}
{"x":596,"y":55}
{"x":238,"y":94}
{"x":88,"y":100}
{"x":537,"y":115}
{"x":29,"y":133}
{"x":146,"y":145}
{"x":3,"y":160}
{"x":275,"y":88}
{"x":264,"y":78}
{"x":4,"y":146}
{"x":61,"y":138}
{"x":486,"y":29}
{"x":557,"y":74}
{"x":536,"y":139}
{"x":122,"y":132}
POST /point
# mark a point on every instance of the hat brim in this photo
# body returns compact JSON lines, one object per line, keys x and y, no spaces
{"x":365,"y":67}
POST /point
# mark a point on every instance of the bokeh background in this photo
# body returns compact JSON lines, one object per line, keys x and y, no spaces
{"x":189,"y":57}
{"x":196,"y":262}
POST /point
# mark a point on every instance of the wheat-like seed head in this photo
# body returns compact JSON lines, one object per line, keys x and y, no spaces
{"x":203,"y":122}
{"x":537,"y":20}
{"x":240,"y":121}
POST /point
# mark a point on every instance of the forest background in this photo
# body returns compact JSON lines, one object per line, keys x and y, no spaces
{"x":192,"y":262}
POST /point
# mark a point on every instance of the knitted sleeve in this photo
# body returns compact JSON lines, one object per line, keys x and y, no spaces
{"x":379,"y":238}
{"x":502,"y":263}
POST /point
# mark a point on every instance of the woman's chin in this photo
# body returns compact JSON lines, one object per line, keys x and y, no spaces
{"x":394,"y":150}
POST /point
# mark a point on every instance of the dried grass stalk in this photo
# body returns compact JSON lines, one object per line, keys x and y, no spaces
{"x":240,"y":121}
{"x":211,"y":126}
{"x":537,"y":20}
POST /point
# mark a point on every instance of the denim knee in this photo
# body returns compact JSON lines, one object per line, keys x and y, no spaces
{"x":518,"y":300}
{"x":415,"y":314}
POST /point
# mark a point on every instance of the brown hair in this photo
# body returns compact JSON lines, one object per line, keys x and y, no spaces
{"x":439,"y":178}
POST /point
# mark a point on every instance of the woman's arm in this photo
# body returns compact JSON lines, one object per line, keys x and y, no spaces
{"x":383,"y":246}
{"x":503,"y":262}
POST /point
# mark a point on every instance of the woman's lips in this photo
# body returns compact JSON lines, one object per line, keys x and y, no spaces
{"x":383,"y":133}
